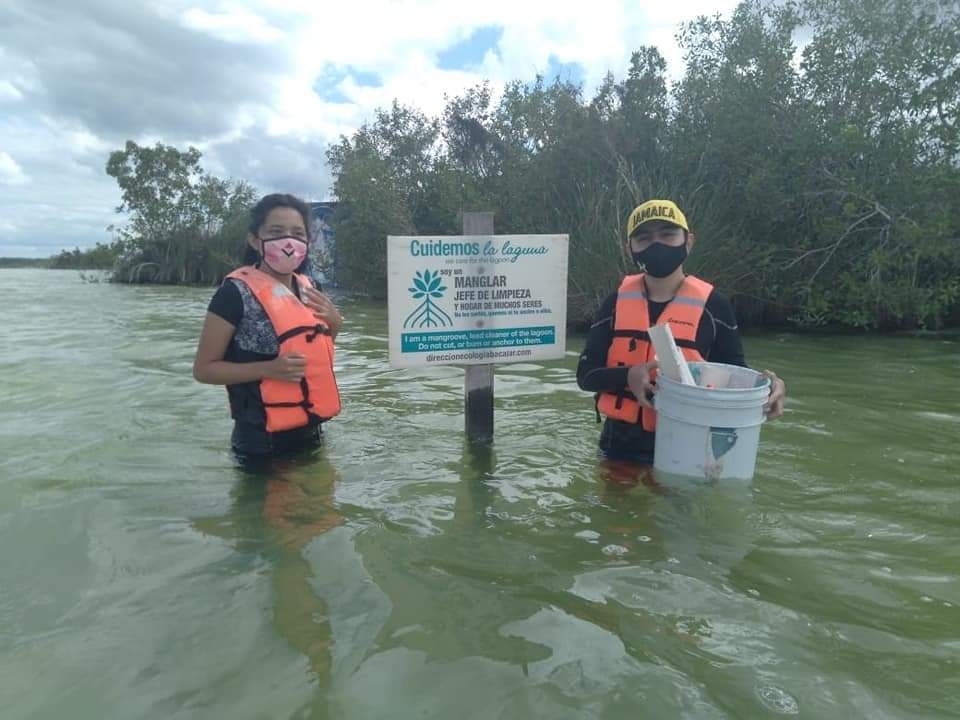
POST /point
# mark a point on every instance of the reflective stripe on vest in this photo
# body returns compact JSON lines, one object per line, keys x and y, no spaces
{"x":287,"y":404}
{"x":631,"y":344}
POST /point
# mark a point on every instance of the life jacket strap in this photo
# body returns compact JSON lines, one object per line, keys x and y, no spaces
{"x":311,"y":330}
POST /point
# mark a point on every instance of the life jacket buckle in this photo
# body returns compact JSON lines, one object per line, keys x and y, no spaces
{"x":317,"y":330}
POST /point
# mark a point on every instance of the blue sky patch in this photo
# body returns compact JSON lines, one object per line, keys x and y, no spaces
{"x":327,"y":86}
{"x":567,"y":72}
{"x":365,"y":79}
{"x":469,"y":53}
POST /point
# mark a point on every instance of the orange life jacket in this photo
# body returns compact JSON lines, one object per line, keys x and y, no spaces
{"x":631,"y":344}
{"x":289,"y":404}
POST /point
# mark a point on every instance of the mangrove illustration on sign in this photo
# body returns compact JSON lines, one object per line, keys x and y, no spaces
{"x":427,"y":313}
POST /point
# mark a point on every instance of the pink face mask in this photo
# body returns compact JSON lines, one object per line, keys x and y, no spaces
{"x":283,"y":255}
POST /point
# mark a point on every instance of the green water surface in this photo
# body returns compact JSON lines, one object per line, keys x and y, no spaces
{"x":398,"y":573}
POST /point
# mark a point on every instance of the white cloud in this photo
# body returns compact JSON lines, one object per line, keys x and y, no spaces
{"x":396,"y":43}
{"x":10,"y":171}
{"x":237,"y":79}
{"x":9,"y":92}
{"x":234,"y":25}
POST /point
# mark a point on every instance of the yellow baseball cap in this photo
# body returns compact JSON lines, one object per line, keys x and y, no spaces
{"x":662,"y":210}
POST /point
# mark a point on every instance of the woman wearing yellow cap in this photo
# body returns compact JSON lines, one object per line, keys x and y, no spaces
{"x":617,"y":362}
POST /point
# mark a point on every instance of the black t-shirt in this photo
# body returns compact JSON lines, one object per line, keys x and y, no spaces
{"x":227,"y":302}
{"x":717,"y":340}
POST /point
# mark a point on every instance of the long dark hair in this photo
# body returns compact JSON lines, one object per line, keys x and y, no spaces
{"x":258,"y":216}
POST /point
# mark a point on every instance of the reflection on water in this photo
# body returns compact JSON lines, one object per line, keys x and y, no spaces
{"x":400,"y":572}
{"x":279,"y":506}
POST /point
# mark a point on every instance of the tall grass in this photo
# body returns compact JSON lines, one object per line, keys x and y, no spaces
{"x":187,"y":256}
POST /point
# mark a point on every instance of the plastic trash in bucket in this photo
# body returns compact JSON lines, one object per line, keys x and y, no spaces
{"x":710,"y":430}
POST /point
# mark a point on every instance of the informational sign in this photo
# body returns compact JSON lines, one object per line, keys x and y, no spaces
{"x":476,"y":299}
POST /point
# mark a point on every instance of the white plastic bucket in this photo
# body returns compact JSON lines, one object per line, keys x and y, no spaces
{"x":711,"y":430}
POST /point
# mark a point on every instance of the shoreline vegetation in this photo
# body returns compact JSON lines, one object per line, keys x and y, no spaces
{"x":18,"y":262}
{"x":821,"y":179}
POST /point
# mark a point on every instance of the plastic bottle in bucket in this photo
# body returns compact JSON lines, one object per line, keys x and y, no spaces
{"x":710,"y":430}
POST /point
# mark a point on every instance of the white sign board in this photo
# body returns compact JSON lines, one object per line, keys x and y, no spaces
{"x":476,"y":299}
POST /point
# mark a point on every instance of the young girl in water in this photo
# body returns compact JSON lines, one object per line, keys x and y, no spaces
{"x":269,"y":337}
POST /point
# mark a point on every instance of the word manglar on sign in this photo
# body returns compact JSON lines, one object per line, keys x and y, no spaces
{"x":464,"y":300}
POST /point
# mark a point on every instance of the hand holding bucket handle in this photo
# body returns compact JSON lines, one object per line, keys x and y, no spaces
{"x":642,"y":382}
{"x":778,"y":394}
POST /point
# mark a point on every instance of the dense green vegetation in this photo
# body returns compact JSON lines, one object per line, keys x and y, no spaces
{"x":813,"y":146}
{"x":185,"y":225}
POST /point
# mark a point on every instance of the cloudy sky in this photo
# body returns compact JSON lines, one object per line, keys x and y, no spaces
{"x":261,"y":87}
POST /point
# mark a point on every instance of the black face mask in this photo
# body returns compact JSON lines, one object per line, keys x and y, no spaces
{"x":660,"y":260}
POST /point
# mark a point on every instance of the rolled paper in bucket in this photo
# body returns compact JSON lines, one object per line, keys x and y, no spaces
{"x":671,"y":360}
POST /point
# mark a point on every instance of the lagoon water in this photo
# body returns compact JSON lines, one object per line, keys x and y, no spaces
{"x":398,"y":573}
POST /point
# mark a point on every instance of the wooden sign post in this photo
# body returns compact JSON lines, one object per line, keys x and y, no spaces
{"x":478,"y":380}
